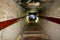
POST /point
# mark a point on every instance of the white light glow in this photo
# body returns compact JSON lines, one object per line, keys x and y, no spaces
{"x":37,"y":20}
{"x":33,"y":16}
{"x":34,"y":4}
{"x":27,"y":19}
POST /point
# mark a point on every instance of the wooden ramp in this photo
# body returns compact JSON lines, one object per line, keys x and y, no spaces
{"x":34,"y":32}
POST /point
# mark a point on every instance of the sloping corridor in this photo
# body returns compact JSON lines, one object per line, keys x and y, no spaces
{"x":29,"y":19}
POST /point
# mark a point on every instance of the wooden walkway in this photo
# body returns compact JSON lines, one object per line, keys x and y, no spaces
{"x":34,"y":32}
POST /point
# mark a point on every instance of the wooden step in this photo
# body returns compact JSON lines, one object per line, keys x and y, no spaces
{"x":35,"y":36}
